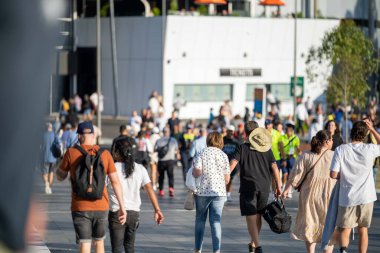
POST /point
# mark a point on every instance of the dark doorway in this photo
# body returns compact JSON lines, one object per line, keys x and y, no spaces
{"x":86,"y":71}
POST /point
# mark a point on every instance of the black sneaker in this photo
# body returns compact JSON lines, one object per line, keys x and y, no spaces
{"x":251,"y":249}
{"x":259,"y":250}
{"x":343,"y":250}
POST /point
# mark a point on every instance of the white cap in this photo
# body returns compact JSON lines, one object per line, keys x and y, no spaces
{"x":155,"y":130}
{"x":231,"y":128}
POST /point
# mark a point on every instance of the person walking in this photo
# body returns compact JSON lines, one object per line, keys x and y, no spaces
{"x":133,"y":177}
{"x":90,"y":215}
{"x":154,"y":137}
{"x":167,"y":149}
{"x":48,"y":159}
{"x":199,"y":144}
{"x":290,"y":149}
{"x":333,"y":128}
{"x":302,"y":117}
{"x":212,"y":166}
{"x":311,"y":173}
{"x":257,"y":168}
{"x":230,"y":147}
{"x":352,"y":165}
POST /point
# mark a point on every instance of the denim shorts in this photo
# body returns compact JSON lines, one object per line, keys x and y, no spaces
{"x":89,"y":225}
{"x":48,"y":168}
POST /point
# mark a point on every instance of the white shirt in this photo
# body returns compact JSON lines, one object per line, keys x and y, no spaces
{"x":154,"y":104}
{"x":355,"y":162}
{"x":301,"y":112}
{"x":130,"y":186}
{"x":214,"y":165}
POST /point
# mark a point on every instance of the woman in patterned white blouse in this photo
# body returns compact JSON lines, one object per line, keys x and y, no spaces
{"x":213,"y":167}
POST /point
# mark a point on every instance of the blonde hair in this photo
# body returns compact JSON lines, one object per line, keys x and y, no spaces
{"x":215,"y":139}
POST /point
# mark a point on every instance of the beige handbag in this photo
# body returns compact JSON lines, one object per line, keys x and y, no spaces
{"x":189,"y":201}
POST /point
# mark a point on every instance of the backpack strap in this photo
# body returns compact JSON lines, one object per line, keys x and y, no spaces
{"x":78,"y":147}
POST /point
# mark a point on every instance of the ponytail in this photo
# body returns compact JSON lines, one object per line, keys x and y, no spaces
{"x":124,"y":153}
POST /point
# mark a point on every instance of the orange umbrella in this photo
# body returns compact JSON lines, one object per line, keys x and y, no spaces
{"x":272,"y":3}
{"x":205,"y":2}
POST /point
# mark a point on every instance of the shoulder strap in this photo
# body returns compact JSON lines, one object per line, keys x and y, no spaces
{"x":291,"y":140}
{"x":312,"y":167}
{"x":78,"y":147}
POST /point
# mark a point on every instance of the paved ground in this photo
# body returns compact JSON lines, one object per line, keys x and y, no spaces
{"x":176,"y":234}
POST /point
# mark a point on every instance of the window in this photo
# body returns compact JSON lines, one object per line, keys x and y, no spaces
{"x":281,"y":91}
{"x":204,"y":92}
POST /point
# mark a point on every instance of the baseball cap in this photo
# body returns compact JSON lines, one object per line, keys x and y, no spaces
{"x":155,"y":130}
{"x":231,"y":128}
{"x":85,"y":127}
{"x":268,"y":122}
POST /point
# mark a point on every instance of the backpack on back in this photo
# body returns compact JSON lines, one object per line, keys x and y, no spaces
{"x":56,"y":148}
{"x":89,"y":178}
{"x":278,"y":219}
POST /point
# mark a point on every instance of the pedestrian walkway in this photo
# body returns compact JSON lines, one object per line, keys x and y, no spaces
{"x":176,"y":235}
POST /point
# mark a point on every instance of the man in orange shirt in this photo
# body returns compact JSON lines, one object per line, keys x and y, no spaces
{"x":90,"y":215}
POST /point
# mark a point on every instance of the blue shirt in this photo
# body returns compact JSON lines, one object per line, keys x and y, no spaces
{"x":48,"y":140}
{"x":198,"y":146}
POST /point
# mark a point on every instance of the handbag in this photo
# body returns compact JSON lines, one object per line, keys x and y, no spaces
{"x":277,"y":218}
{"x":191,"y":182}
{"x":298,"y":188}
{"x":189,"y":201}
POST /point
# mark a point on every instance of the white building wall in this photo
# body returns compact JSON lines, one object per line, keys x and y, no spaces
{"x":212,"y":43}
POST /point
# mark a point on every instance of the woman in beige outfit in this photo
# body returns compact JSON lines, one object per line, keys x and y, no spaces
{"x":313,"y":171}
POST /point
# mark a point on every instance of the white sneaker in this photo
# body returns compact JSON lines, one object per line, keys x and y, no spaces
{"x":290,"y":195}
{"x":47,"y":188}
{"x":154,"y":188}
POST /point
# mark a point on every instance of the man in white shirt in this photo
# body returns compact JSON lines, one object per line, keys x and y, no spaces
{"x":352,"y":164}
{"x":302,"y":116}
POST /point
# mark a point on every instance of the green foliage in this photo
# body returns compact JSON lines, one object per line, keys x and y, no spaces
{"x":203,"y":10}
{"x":173,"y":5}
{"x":104,"y":10}
{"x":156,"y":11}
{"x":299,"y":14}
{"x":350,"y":54}
{"x":318,"y":14}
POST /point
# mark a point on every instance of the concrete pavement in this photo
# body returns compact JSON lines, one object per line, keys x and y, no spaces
{"x":176,"y":235}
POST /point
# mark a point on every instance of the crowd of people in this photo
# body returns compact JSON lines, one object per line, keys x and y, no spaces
{"x":265,"y":153}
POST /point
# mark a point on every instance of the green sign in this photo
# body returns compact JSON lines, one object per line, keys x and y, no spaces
{"x":300,"y":86}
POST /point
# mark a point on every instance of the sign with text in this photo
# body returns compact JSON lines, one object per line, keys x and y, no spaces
{"x":240,"y":72}
{"x":299,"y":87}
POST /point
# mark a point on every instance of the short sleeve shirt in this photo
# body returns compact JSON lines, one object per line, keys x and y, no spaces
{"x":355,"y":162}
{"x":255,"y":169}
{"x":276,"y":139}
{"x":130,"y":186}
{"x":70,"y":163}
{"x":230,"y":147}
{"x":214,"y":165}
{"x":290,"y":144}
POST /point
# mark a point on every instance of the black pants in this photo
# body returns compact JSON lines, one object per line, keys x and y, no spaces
{"x":185,"y":162}
{"x":299,"y":127}
{"x":167,"y":166}
{"x":123,"y":235}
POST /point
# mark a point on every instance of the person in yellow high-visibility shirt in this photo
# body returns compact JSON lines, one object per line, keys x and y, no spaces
{"x":289,"y":149}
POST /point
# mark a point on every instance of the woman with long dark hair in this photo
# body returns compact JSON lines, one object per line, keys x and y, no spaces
{"x":132,"y":177}
{"x":312,"y":174}
{"x":333,"y":128}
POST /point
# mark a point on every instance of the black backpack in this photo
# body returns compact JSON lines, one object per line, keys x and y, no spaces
{"x":278,"y":219}
{"x":89,"y":178}
{"x":56,"y":148}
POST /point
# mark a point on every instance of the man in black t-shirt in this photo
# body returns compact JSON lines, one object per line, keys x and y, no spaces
{"x":229,"y":148}
{"x":257,"y":167}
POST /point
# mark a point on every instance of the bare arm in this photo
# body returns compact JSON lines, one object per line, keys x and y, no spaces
{"x":276,"y":176}
{"x":233,"y":164}
{"x":119,"y":195}
{"x":197,"y":172}
{"x":61,"y":175}
{"x":372,"y":130}
{"x":158,"y":215}
{"x":334,"y":175}
{"x":227,"y":178}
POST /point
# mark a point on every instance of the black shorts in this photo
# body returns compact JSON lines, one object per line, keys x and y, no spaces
{"x":90,"y":225}
{"x":253,"y":203}
{"x":235,"y":171}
